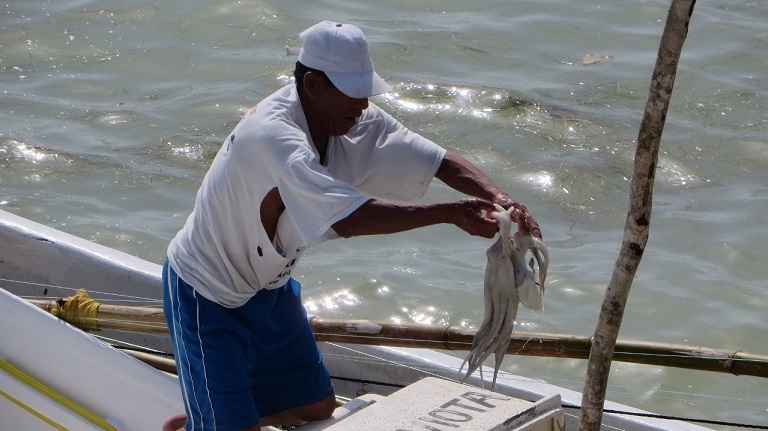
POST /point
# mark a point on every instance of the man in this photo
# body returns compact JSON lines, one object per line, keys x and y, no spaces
{"x":312,"y":162}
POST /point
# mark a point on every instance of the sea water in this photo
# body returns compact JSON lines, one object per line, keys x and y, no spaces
{"x":111,"y":112}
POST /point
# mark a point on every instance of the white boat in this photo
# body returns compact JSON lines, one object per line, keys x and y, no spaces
{"x":55,"y":376}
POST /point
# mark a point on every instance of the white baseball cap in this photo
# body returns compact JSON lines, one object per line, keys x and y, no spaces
{"x":341,"y":51}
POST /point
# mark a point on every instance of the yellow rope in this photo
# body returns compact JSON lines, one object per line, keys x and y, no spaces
{"x":78,"y":309}
{"x":53,"y":395}
{"x":32,"y":411}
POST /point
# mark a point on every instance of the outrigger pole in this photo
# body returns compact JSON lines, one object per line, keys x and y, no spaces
{"x":443,"y":337}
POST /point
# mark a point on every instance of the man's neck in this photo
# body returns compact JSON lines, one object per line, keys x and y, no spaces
{"x":317,"y":130}
{"x":321,"y":145}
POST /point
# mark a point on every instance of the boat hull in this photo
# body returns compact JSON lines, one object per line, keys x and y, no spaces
{"x":52,"y":374}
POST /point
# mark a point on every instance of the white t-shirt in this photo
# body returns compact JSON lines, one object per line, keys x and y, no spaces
{"x":224,"y":252}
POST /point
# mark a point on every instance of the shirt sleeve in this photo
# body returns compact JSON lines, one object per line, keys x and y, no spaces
{"x":383,"y":158}
{"x":315,"y":199}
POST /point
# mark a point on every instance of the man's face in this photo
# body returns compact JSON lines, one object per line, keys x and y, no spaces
{"x":340,"y":112}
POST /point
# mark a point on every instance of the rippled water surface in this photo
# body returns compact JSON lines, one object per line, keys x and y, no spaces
{"x":111,"y":111}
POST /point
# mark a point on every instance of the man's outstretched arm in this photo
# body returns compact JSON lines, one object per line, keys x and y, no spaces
{"x":382,"y":217}
{"x":461,"y":175}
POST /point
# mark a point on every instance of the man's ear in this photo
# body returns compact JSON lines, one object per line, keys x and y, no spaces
{"x":313,"y":82}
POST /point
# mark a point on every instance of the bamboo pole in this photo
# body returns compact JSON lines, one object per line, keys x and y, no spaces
{"x":637,"y":225}
{"x":121,"y":317}
{"x":550,"y":345}
{"x":154,"y":360}
{"x":454,"y":338}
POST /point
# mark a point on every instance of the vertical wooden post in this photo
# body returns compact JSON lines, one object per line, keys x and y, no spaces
{"x":638,"y":217}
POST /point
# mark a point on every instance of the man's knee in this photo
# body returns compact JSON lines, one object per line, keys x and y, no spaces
{"x":299,"y":415}
{"x":321,"y":410}
{"x":175,"y":422}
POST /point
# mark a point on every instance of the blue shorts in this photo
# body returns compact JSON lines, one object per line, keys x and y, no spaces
{"x":236,"y":365}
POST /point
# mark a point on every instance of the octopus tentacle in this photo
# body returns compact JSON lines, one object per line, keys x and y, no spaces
{"x":541,"y":253}
{"x":498,"y":273}
{"x":504,"y":338}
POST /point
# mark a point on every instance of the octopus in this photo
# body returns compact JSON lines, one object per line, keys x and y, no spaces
{"x":509,"y":281}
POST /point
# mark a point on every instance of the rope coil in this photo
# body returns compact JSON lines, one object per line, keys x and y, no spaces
{"x":79,"y":310}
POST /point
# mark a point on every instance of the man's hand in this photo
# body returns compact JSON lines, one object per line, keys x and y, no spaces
{"x":520,"y":214}
{"x":471,"y":217}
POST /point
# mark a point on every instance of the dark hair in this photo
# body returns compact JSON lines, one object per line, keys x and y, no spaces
{"x":298,"y":75}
